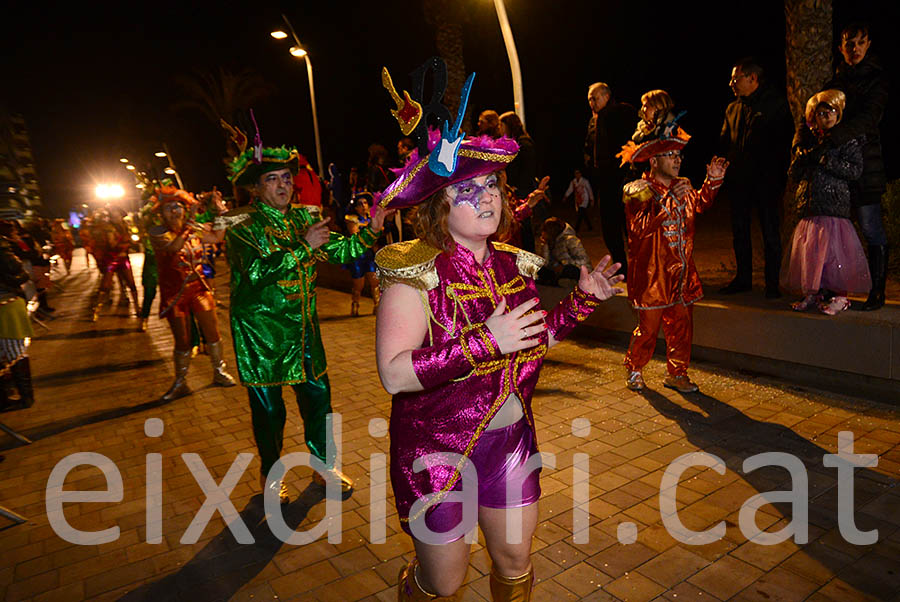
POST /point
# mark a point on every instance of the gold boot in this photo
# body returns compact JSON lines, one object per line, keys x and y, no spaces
{"x":102,"y":298}
{"x":220,"y":376}
{"x":278,"y":486}
{"x":511,"y":589}
{"x":376,"y":297}
{"x":334,"y":473}
{"x":408,"y":588}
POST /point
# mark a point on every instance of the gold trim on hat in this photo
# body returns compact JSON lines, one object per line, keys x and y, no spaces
{"x":497,"y":157}
{"x":400,"y":187}
{"x":463,"y":152}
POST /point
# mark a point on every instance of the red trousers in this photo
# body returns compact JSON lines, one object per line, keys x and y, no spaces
{"x":678,"y":328}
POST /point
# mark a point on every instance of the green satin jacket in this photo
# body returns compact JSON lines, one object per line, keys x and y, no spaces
{"x":273,"y":291}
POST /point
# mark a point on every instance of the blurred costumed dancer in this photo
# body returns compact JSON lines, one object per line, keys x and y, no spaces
{"x":110,"y":241}
{"x":362,"y":269}
{"x":63,"y":242}
{"x":178,"y":247}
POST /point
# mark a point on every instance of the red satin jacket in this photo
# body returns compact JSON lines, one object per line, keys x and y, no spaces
{"x":661,"y":268}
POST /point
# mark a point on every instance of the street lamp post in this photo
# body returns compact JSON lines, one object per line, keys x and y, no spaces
{"x":299,"y":52}
{"x":518,"y":95}
{"x":174,"y":171}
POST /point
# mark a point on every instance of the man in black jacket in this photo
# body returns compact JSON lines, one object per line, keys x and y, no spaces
{"x":756,"y":139}
{"x":608,"y":130}
{"x":863,"y":80}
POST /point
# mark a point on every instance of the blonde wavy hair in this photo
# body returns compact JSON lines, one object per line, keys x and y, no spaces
{"x":833,"y":98}
{"x":659,"y":100}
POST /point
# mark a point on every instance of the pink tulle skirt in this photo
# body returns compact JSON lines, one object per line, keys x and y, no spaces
{"x":826,"y":253}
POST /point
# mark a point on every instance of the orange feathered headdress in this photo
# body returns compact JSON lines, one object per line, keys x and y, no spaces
{"x":170,"y":194}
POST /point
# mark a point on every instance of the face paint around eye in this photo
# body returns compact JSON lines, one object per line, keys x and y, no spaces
{"x":470,"y":192}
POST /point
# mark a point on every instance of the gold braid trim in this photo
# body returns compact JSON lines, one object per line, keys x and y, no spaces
{"x":406,"y":180}
{"x":463,"y":152}
{"x":496,"y":157}
{"x":440,"y":495}
{"x":248,"y":241}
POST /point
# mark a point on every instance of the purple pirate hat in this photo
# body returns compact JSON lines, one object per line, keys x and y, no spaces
{"x":443,"y":156}
{"x":416,"y":182}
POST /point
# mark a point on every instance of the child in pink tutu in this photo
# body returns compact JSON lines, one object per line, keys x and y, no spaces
{"x":827,"y":260}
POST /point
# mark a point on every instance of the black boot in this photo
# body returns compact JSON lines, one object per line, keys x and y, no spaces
{"x":4,"y":393}
{"x":21,"y":373}
{"x":43,"y":304}
{"x":878,"y":262}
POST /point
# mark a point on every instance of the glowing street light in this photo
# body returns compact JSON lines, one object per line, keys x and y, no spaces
{"x":298,"y":51}
{"x":109,"y":191}
{"x":169,"y":171}
{"x":160,"y":154}
{"x":123,"y":160}
{"x":129,"y":167}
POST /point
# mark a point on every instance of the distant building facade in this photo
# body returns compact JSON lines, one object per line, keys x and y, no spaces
{"x":20,"y":195}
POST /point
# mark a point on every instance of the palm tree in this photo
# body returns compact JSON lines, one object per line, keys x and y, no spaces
{"x":807,"y":49}
{"x":223,"y":94}
{"x":447,"y":18}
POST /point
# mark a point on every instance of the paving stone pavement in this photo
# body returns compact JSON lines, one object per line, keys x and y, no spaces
{"x":96,"y":384}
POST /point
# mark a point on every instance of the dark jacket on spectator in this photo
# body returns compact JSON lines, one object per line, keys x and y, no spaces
{"x":823,"y":174}
{"x":606,"y":134}
{"x":522,"y":172}
{"x":866,"y":86}
{"x":756,"y":140}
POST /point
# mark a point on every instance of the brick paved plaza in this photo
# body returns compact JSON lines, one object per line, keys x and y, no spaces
{"x":96,"y":385}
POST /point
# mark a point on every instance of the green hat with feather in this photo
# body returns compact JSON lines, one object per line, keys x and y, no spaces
{"x":250,"y":163}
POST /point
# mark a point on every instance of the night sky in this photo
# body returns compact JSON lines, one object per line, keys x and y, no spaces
{"x":96,"y":84}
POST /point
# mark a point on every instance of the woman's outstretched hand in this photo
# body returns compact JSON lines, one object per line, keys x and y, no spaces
{"x":603,"y":280}
{"x":515,"y":330}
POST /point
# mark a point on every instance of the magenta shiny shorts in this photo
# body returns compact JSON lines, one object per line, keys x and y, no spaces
{"x":500,"y":459}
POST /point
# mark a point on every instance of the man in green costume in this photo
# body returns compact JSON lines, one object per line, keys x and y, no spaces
{"x":272,"y":250}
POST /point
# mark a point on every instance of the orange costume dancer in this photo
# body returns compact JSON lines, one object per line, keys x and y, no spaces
{"x":63,"y":242}
{"x":178,"y":246}
{"x":110,"y":241}
{"x":84,"y":235}
{"x":663,"y":283}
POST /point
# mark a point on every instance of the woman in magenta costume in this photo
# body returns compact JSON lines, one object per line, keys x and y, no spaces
{"x":460,"y":341}
{"x":110,"y":241}
{"x":183,"y":290}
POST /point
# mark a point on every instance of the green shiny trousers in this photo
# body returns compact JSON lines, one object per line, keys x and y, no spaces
{"x":149,"y":280}
{"x":269,"y":415}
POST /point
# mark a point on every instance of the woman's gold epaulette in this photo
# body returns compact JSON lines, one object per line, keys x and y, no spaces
{"x":409,"y":262}
{"x":527,"y":263}
{"x":638,"y":190}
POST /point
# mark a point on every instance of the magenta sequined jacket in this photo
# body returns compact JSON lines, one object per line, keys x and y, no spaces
{"x":466,"y":379}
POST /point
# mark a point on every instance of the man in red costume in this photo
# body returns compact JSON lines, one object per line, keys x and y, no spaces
{"x":663,"y":283}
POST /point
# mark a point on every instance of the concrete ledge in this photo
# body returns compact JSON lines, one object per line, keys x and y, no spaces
{"x":855,"y":353}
